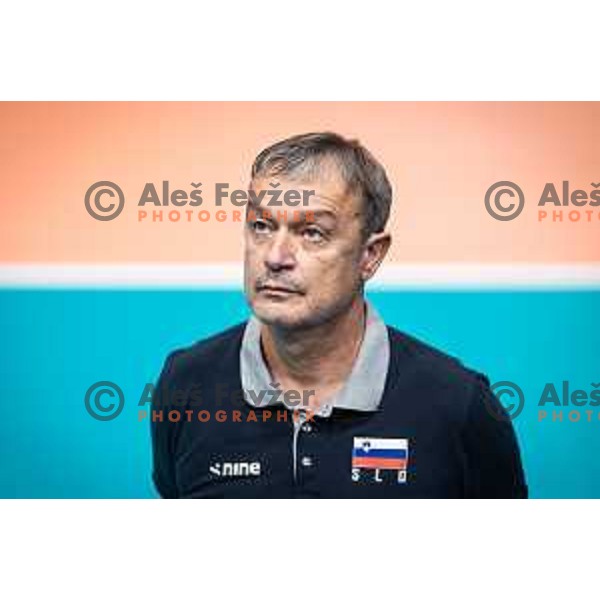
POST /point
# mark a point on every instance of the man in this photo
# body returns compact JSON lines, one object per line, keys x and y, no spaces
{"x":315,"y":396}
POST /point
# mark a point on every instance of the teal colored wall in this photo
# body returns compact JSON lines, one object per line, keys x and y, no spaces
{"x":54,"y":344}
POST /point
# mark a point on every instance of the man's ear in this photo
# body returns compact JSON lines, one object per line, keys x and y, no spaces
{"x":374,"y":251}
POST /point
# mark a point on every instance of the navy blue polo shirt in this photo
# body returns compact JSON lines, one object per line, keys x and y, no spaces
{"x":432,"y":430}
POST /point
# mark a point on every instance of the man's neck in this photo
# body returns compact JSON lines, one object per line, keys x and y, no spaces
{"x":318,"y":357}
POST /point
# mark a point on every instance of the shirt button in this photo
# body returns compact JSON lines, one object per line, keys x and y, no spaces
{"x":306,"y":428}
{"x":325,"y":410}
{"x":307,"y":461}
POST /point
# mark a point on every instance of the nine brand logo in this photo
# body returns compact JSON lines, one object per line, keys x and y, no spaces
{"x":235,"y":469}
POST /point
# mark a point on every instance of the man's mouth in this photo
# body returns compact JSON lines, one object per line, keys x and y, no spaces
{"x":276,"y":289}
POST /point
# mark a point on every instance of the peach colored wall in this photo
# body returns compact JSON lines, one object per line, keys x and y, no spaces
{"x":441,"y":158}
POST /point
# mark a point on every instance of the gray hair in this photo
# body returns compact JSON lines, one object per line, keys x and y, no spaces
{"x":304,"y":156}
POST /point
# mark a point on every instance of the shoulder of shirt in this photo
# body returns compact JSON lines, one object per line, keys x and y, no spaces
{"x":206,"y":353}
{"x":424,"y":360}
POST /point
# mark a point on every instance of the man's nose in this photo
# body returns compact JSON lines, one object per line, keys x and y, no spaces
{"x":280,"y":254}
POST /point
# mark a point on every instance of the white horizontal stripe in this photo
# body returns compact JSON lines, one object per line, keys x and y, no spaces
{"x":382,"y":443}
{"x":230,"y":275}
{"x":488,"y":275}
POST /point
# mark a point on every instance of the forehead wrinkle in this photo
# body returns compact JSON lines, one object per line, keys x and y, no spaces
{"x":314,"y":170}
{"x":311,"y":169}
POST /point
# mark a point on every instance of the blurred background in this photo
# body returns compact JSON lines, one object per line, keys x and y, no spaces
{"x":84,"y":300}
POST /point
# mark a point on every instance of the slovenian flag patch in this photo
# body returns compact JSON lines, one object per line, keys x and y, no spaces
{"x":380,"y":453}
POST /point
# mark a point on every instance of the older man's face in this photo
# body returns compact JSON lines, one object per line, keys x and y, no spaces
{"x":301,"y":273}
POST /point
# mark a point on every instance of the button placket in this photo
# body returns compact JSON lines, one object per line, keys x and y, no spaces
{"x":299,"y":419}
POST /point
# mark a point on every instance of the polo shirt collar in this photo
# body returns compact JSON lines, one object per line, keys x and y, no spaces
{"x":363,"y":389}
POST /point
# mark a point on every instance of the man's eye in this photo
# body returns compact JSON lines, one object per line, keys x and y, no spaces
{"x":312,"y":234}
{"x":259,"y":226}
